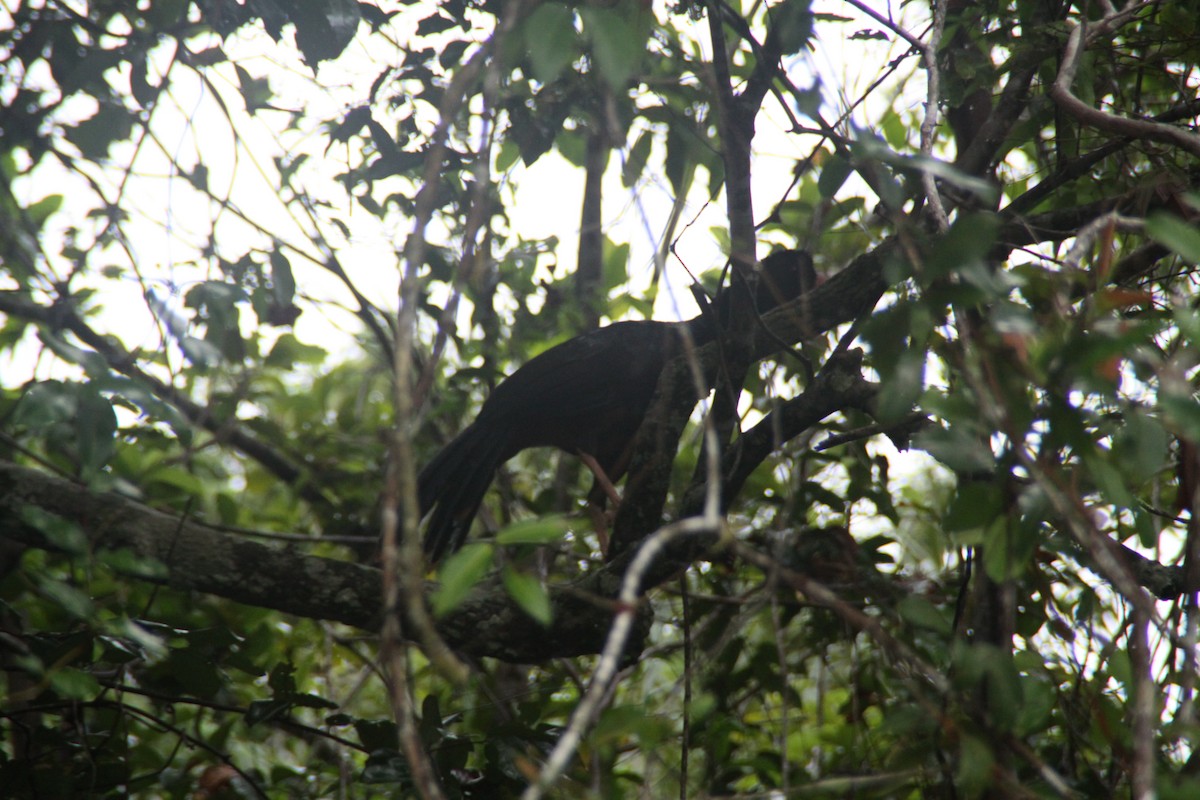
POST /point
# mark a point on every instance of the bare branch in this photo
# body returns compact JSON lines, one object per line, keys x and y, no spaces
{"x":1086,"y":238}
{"x":929,"y":123}
{"x":191,"y":556}
{"x":1060,"y":92}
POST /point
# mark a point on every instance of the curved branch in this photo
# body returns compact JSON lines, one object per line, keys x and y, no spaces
{"x":1060,"y":93}
{"x":1083,"y":165}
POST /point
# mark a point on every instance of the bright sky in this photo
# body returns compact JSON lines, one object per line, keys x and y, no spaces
{"x":170,"y":220}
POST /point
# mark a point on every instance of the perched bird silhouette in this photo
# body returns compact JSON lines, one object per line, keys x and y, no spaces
{"x":586,"y":396}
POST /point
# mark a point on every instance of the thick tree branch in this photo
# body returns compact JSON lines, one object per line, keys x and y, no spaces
{"x":847,"y":296}
{"x":984,"y":149}
{"x":196,"y":557}
{"x":838,"y":386}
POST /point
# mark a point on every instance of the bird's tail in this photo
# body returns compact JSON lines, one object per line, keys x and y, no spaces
{"x":453,"y":484}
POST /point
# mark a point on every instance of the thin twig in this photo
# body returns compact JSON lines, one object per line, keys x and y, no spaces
{"x":929,"y":123}
{"x":1086,"y":238}
{"x":1143,"y":709}
{"x":402,"y":556}
{"x":606,"y":668}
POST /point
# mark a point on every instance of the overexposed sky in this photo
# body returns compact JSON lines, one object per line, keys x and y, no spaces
{"x":170,"y":221}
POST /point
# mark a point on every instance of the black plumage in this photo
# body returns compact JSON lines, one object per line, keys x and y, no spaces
{"x":586,"y":396}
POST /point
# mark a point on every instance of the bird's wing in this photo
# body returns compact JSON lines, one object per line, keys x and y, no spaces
{"x":587,"y":373}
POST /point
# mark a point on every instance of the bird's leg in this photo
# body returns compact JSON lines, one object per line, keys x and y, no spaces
{"x":603,"y":487}
{"x":600,"y":519}
{"x":601,"y":477}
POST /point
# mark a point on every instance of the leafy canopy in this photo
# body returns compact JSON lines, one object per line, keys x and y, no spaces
{"x":261,"y":260}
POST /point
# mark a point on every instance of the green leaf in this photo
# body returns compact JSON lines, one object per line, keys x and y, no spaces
{"x":1182,"y":411}
{"x":1038,"y":703}
{"x":1175,"y":234}
{"x":1140,"y":447}
{"x":71,"y":600}
{"x":386,"y":766}
{"x":1108,"y":480}
{"x":210,"y":56}
{"x":283,"y":283}
{"x":263,"y":710}
{"x":792,"y":22}
{"x":918,"y":611}
{"x":217,"y":304}
{"x":129,"y":563}
{"x":896,"y":130}
{"x":282,"y":679}
{"x":968,"y":242}
{"x":93,"y":363}
{"x":177,"y":477}
{"x":1120,"y":667}
{"x":95,"y":429}
{"x":507,"y":156}
{"x":452,"y":53}
{"x":435,"y":23}
{"x":256,"y":92}
{"x":834,"y":172}
{"x":1005,"y":692}
{"x":616,"y":264}
{"x":201,"y":353}
{"x":551,"y":41}
{"x":958,"y":450}
{"x":572,"y":145}
{"x":459,"y":574}
{"x":618,"y":37}
{"x":1008,"y":548}
{"x":975,"y":762}
{"x":143,"y":92}
{"x":46,"y":404}
{"x":541,"y":530}
{"x":309,"y":700}
{"x":324,"y":28}
{"x":288,"y":350}
{"x":376,"y":734}
{"x":680,"y":163}
{"x":42,"y":209}
{"x":529,"y":593}
{"x":635,"y":162}
{"x":619,"y":723}
{"x":112,"y":123}
{"x":74,"y":684}
{"x":62,"y":534}
{"x":902,"y":385}
{"x":975,"y":504}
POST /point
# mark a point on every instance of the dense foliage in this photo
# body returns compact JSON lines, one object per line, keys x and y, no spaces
{"x":260,"y":260}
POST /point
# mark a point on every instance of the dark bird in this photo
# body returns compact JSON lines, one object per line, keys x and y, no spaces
{"x":586,"y":396}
